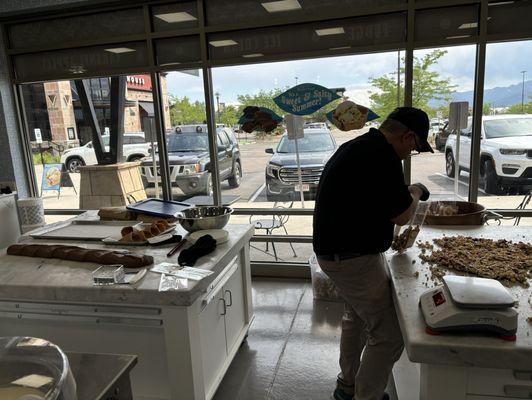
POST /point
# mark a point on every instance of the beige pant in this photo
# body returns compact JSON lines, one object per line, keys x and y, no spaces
{"x":369,"y":323}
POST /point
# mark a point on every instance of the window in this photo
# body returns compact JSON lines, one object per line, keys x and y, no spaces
{"x":506,"y":146}
{"x":439,"y":79}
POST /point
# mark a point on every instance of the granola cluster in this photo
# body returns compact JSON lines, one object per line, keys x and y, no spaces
{"x":496,"y":259}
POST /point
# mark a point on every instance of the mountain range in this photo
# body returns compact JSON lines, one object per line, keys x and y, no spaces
{"x":497,"y":96}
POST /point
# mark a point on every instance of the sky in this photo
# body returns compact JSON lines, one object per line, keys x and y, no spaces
{"x":354,"y":72}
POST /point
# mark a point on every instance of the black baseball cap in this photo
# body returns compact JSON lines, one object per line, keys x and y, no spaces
{"x":417,"y":121}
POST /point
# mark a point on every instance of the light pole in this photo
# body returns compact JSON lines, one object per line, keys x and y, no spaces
{"x":217,"y":94}
{"x":523,"y":93}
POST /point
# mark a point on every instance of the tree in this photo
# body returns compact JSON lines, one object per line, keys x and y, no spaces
{"x":182,"y":111}
{"x":229,"y":115}
{"x":487,"y":109}
{"x":261,"y":99}
{"x":517,"y":109}
{"x":427,"y":86}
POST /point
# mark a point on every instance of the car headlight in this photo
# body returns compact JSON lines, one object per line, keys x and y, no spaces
{"x":513,"y":152}
{"x":191,"y":169}
{"x":272,"y":170}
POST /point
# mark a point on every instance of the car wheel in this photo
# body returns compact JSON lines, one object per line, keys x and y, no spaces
{"x":449,"y":163}
{"x":73,"y":164}
{"x":236,"y":179}
{"x":208,"y":191}
{"x":489,"y":179}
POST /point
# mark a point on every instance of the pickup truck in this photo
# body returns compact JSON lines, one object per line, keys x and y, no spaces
{"x":505,"y":153}
{"x":282,"y":182}
{"x":188,"y":156}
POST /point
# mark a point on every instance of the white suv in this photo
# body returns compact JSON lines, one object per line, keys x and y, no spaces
{"x":505,"y":153}
{"x":135,"y":148}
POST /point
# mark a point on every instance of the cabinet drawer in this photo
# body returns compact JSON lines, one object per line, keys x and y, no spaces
{"x":499,"y":382}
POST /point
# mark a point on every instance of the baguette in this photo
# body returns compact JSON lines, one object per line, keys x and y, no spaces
{"x":74,"y":253}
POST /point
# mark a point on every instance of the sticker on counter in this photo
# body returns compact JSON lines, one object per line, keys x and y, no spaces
{"x":171,"y":282}
{"x":305,"y":99}
{"x":194,"y":274}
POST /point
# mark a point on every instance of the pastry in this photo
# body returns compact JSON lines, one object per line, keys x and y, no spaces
{"x":74,"y":253}
{"x":126,"y":230}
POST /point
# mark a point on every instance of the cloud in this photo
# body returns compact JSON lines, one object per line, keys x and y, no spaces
{"x":354,"y":71}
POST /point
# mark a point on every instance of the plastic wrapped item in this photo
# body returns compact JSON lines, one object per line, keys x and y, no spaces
{"x":34,"y":369}
{"x":405,"y":236}
{"x":170,"y":282}
{"x":322,"y":286}
{"x":108,"y":275}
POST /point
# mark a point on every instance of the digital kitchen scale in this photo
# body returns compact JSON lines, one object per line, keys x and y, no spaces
{"x":466,"y":304}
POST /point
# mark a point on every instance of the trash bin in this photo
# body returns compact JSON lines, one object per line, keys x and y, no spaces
{"x":322,"y":286}
{"x":34,"y":369}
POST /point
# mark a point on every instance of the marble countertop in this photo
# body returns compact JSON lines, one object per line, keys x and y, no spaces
{"x":470,"y":350}
{"x":40,"y":279}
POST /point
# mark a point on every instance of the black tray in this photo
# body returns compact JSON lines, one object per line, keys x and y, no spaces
{"x":158,"y":208}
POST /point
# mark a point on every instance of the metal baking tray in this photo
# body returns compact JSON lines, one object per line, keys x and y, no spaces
{"x":159,"y":208}
{"x":83,"y":230}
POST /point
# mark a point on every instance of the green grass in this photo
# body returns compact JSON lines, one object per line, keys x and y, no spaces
{"x":47,"y":157}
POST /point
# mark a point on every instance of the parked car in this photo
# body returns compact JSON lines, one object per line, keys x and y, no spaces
{"x":282,"y":182}
{"x":441,"y":137}
{"x":316,"y":125}
{"x":505,"y":153}
{"x":188,"y":156}
{"x":135,"y":148}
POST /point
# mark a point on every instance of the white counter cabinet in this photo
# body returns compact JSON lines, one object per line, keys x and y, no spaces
{"x":459,"y":366}
{"x":185,"y":339}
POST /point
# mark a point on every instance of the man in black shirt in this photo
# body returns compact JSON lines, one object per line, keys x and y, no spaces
{"x":361,"y":195}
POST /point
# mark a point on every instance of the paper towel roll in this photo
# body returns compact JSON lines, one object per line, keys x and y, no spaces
{"x":31,"y":213}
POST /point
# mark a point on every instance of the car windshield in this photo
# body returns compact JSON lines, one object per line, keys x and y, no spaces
{"x":497,"y":128}
{"x":307,"y":144}
{"x":179,"y":142}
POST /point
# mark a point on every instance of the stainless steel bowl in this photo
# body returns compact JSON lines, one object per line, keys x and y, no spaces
{"x":207,"y":217}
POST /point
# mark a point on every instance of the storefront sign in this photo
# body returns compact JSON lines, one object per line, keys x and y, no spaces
{"x":38,"y":135}
{"x":304,"y":99}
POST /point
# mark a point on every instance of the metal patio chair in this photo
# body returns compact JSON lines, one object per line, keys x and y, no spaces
{"x":270,"y":224}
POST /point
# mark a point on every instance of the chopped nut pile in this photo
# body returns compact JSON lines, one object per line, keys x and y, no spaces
{"x":500,"y":259}
{"x":406,"y":239}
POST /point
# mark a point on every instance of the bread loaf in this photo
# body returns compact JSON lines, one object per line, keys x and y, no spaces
{"x":74,"y":253}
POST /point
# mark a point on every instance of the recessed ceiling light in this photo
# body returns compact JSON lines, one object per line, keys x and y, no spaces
{"x":120,"y":50}
{"x":223,"y":43}
{"x":253,"y":55}
{"x":170,"y":63}
{"x":176,"y":17}
{"x":330,"y":31}
{"x":469,"y":25}
{"x":340,"y":48}
{"x":282,"y":5}
{"x":458,"y":37}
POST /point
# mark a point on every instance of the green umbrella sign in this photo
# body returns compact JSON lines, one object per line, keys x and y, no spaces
{"x":305,"y":99}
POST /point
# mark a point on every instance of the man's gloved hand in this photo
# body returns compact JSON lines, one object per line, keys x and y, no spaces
{"x":425,"y":192}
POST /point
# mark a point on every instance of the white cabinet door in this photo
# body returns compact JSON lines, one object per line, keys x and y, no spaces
{"x":234,"y":298}
{"x":212,"y":337}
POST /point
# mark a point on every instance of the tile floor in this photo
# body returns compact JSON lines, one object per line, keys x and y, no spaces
{"x":292,"y":349}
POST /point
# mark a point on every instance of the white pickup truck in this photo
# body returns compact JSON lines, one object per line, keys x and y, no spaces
{"x":505,"y":153}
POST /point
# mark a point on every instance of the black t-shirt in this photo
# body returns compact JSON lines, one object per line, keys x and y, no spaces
{"x":361,"y":189}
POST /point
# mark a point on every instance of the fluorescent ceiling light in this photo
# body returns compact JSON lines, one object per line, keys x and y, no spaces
{"x":223,"y":43}
{"x":469,"y":25}
{"x":330,"y":31}
{"x":340,"y":48}
{"x":176,"y":17}
{"x":458,"y":37}
{"x":500,"y":3}
{"x":170,"y":63}
{"x":282,"y":5}
{"x":253,"y":55}
{"x":33,"y":381}
{"x":120,"y":50}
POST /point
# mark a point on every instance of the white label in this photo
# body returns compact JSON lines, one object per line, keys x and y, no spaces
{"x":38,"y":135}
{"x":294,"y":126}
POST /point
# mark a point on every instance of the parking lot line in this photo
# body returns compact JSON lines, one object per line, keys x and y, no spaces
{"x":257,"y":193}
